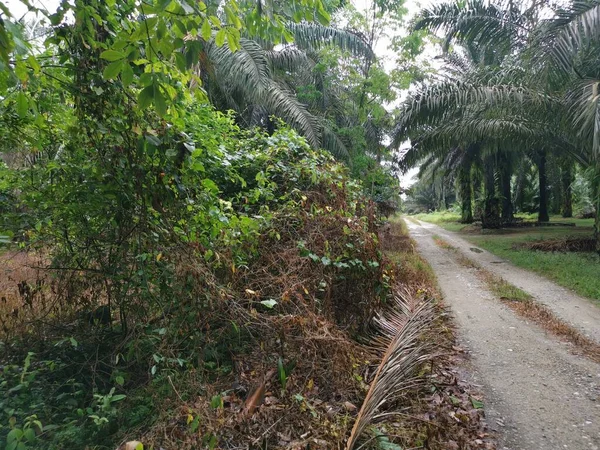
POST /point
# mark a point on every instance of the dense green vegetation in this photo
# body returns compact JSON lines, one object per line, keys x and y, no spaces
{"x":190,"y":195}
{"x":511,"y":118}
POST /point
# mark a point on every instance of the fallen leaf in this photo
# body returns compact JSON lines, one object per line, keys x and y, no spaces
{"x":349,"y":406}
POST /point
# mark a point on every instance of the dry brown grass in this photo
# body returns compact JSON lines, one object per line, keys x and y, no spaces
{"x":441,"y":243}
{"x":410,"y":267}
{"x":545,"y":318}
{"x":25,"y":292}
{"x":567,"y":244}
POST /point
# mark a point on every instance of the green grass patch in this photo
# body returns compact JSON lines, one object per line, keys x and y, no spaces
{"x":503,"y":289}
{"x":446,"y":219}
{"x":453,"y":226}
{"x":438,"y":217}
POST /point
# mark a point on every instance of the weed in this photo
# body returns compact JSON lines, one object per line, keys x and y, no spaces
{"x":442,"y":243}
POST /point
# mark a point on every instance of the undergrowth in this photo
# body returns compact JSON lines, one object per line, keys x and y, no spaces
{"x":257,"y":274}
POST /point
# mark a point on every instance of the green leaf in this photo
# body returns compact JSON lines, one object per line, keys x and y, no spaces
{"x":180,"y":61}
{"x":159,"y":102}
{"x":220,"y":37}
{"x":476,"y":403}
{"x":120,"y":380}
{"x":112,"y":70}
{"x":206,"y":30}
{"x":127,"y":75}
{"x":210,"y":185}
{"x":282,"y":374}
{"x":22,"y":104}
{"x":14,"y":435}
{"x":194,"y":424}
{"x":22,"y":71}
{"x":216,"y":402}
{"x":270,"y":303}
{"x":112,"y":55}
{"x":146,"y":79}
{"x":29,"y":435}
{"x":384,"y":443}
{"x":146,"y":96}
{"x":34,"y":64}
{"x":233,"y":43}
{"x":117,"y":398}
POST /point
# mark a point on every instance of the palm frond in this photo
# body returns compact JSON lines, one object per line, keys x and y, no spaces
{"x":476,"y":22}
{"x":331,"y":142}
{"x":312,"y":36}
{"x":441,"y":101}
{"x":247,"y":69}
{"x":584,"y":110}
{"x":401,"y":329}
{"x":562,"y":37}
{"x":289,"y":59}
{"x":283,"y":103}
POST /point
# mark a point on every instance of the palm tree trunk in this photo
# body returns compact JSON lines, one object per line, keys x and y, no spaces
{"x":505,"y":176}
{"x":543,"y":208}
{"x":477,"y":192}
{"x":567,"y":197}
{"x":491,"y":213}
{"x":520,"y":189}
{"x":466,"y":198}
{"x":555,"y":188}
{"x":595,"y":185}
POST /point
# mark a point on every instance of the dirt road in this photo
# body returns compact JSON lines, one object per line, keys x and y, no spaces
{"x":539,"y":396}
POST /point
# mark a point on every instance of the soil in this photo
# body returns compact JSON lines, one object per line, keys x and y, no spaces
{"x":538,"y":394}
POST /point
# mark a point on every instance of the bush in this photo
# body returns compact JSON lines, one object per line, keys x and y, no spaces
{"x":207,"y":243}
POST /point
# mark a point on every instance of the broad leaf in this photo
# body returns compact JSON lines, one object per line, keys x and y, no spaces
{"x":112,"y":55}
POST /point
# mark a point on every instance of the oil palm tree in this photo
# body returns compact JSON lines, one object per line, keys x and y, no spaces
{"x":508,"y":96}
{"x":252,"y":80}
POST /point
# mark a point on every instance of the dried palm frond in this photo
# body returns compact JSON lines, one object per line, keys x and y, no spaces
{"x":401,"y":328}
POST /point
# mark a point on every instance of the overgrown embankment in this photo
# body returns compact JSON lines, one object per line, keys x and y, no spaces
{"x":257,"y":339}
{"x":234,"y":298}
{"x":223,"y":296}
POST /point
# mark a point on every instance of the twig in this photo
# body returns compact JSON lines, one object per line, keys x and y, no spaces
{"x":174,"y":388}
{"x":266,"y":431}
